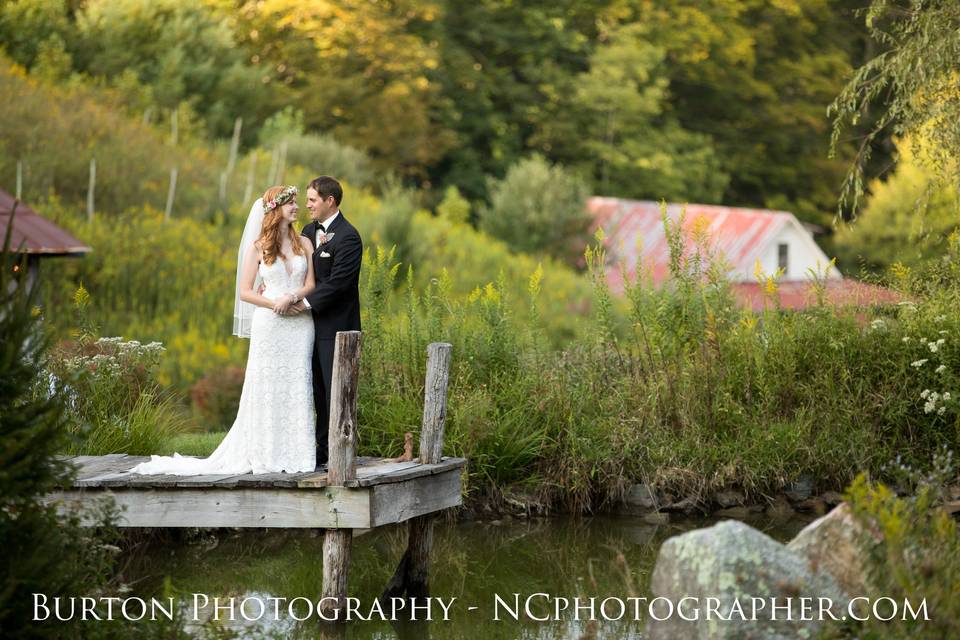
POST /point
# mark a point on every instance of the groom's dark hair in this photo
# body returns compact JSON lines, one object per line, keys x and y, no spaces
{"x":327,"y":186}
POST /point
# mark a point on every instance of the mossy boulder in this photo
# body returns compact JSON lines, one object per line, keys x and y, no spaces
{"x":732,"y":564}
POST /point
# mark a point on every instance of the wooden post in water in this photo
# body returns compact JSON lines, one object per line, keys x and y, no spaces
{"x":342,"y":464}
{"x":413,"y":574}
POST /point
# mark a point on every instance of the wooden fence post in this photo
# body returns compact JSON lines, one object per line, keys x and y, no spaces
{"x":90,"y":188}
{"x":171,"y":192}
{"x":251,"y":175}
{"x":413,"y":573}
{"x":341,"y":466}
{"x":19,"y":179}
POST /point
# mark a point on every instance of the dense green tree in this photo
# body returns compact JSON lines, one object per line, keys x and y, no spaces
{"x":910,"y":87}
{"x":539,"y":207}
{"x":614,"y":125}
{"x":502,"y":66}
{"x":355,"y":70}
{"x":889,"y":228}
{"x":757,"y":77}
{"x":185,"y":51}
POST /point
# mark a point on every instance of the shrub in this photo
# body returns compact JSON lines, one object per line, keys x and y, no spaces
{"x":916,"y":552}
{"x":216,"y":397}
{"x":538,"y":207}
{"x":323,"y":154}
{"x":115,"y":403}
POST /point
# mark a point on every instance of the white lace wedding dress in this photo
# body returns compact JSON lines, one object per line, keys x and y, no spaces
{"x":274,"y":428}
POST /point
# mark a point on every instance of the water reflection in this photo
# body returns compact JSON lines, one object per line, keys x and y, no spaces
{"x":474,"y":563}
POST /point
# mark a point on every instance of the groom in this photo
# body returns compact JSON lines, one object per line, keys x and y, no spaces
{"x":335,"y":302}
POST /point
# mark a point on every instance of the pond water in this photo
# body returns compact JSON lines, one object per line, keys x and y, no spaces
{"x":473,"y":563}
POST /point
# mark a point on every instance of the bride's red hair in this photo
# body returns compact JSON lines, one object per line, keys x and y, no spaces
{"x":274,"y":226}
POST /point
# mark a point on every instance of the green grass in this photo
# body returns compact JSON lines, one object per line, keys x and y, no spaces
{"x":191,"y":444}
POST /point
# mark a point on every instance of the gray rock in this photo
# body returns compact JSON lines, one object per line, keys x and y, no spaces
{"x":730,"y":498}
{"x":733,"y":562}
{"x":832,"y":498}
{"x":835,"y":544}
{"x":800,"y":489}
{"x":639,"y":499}
{"x":780,"y":509}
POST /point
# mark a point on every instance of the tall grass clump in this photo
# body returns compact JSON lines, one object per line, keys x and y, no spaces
{"x":116,"y":405}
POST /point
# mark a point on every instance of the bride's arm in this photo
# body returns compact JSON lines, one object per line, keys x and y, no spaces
{"x":310,"y":281}
{"x":251,"y":261}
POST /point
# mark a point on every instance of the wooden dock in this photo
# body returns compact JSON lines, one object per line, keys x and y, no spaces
{"x":350,"y":493}
{"x":383,"y":492}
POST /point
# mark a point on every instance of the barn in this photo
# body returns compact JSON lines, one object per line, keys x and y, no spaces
{"x":775,"y":241}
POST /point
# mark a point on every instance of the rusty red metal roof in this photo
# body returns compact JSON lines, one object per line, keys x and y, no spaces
{"x":635,"y":234}
{"x":34,"y":234}
{"x":840,"y":292}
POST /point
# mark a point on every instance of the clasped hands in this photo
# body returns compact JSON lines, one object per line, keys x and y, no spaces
{"x":285,"y":306}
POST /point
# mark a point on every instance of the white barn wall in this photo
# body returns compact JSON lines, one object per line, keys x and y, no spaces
{"x":802,"y":255}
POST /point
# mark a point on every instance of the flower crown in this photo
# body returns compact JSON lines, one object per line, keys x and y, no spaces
{"x":281,"y":198}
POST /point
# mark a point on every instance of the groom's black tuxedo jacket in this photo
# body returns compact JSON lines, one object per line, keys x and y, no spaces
{"x":335,"y":302}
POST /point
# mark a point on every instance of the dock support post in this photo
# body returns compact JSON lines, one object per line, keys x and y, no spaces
{"x":341,"y":466}
{"x":413,"y":574}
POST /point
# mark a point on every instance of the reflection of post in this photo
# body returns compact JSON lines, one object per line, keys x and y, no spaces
{"x":413,"y":574}
{"x":342,"y":464}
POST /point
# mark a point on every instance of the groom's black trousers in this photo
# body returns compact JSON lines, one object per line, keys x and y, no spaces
{"x":322,"y":375}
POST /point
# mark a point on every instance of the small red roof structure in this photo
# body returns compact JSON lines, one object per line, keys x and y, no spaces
{"x":33,"y":234}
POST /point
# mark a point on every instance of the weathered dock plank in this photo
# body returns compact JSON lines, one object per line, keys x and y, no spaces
{"x":401,"y":501}
{"x":333,"y":507}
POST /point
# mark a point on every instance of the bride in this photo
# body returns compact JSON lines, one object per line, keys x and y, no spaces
{"x":274,"y":428}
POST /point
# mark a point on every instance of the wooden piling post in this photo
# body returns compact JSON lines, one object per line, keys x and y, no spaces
{"x":413,"y":574}
{"x":342,"y":465}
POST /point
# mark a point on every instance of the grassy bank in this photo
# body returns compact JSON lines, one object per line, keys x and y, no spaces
{"x":681,"y":389}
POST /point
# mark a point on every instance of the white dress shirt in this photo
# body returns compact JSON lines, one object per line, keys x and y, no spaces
{"x":321,"y":230}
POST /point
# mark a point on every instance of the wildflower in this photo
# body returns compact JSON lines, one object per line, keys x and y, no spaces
{"x":946,"y":396}
{"x":923,"y":341}
{"x":906,"y":339}
{"x":940,"y":318}
{"x":878,"y":325}
{"x":941,"y":411}
{"x":918,"y":363}
{"x":925,"y":393}
{"x":943,"y":332}
{"x":928,"y":407}
{"x":941,"y":368}
{"x":933,"y":346}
